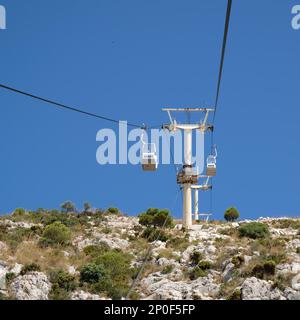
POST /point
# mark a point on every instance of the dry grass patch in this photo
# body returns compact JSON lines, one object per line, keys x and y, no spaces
{"x":47,"y":258}
{"x":229,"y":289}
{"x":166,"y":253}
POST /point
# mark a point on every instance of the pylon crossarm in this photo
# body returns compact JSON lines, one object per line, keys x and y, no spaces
{"x":188,"y":109}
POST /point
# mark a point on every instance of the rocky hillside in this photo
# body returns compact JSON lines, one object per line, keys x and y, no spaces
{"x":96,"y":255}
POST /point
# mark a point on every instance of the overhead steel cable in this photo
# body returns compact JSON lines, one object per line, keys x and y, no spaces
{"x":225,"y":36}
{"x":64,"y":106}
{"x":226,"y":28}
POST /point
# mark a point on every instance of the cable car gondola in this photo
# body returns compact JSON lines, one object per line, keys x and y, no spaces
{"x":149,"y":157}
{"x":211,"y":164}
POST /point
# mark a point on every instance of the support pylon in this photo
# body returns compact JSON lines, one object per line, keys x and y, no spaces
{"x":188,"y":176}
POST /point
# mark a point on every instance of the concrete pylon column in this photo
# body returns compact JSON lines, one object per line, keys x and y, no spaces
{"x":187,"y":206}
{"x":188,"y":147}
{"x":187,"y":191}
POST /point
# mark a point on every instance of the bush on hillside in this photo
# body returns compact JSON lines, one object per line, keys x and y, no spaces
{"x":118,"y":274}
{"x":94,"y":251}
{"x":30,"y":268}
{"x":196,"y":257}
{"x":156,"y":218}
{"x":200,"y":270}
{"x":254,"y":230}
{"x":68,"y":206}
{"x":178,"y":243}
{"x":266,"y":268}
{"x":152,"y":234}
{"x":236,"y":295}
{"x":231,"y":214}
{"x":92,"y":273}
{"x":63,"y":280}
{"x":19,"y":212}
{"x":56,"y":233}
{"x":87,"y":207}
{"x":9,"y":277}
{"x":116,"y":264}
{"x":114,"y":211}
{"x":238,"y":260}
{"x":62,"y":284}
{"x":167,"y":269}
{"x":196,"y":273}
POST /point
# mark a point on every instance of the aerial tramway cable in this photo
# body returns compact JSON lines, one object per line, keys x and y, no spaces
{"x":64,"y":106}
{"x":226,"y":29}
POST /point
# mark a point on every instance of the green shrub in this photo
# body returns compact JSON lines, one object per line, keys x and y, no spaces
{"x":106,"y":230}
{"x":63,"y":280}
{"x":167,"y":269}
{"x":298,"y":250}
{"x":231,"y":214}
{"x":236,"y":295}
{"x":254,"y":230}
{"x":134,"y":296}
{"x":118,"y":274}
{"x":19,"y":212}
{"x":30,"y":268}
{"x":258,"y":271}
{"x":68,"y":206}
{"x":56,"y":233}
{"x":282,"y":281}
{"x":87,"y":207}
{"x":62,"y":284}
{"x":68,"y":219}
{"x":115,"y":290}
{"x":153,"y":234}
{"x":196,"y":273}
{"x":156,"y":218}
{"x":58,"y":293}
{"x":10,"y":277}
{"x":178,"y":243}
{"x":92,"y":273}
{"x":269,"y":267}
{"x":14,"y":237}
{"x":116,"y":264}
{"x":238,"y":261}
{"x":196,"y":257}
{"x":37,"y":230}
{"x":204,"y":265}
{"x":96,"y":250}
{"x":114,"y":211}
{"x":200,"y":270}
{"x":264,"y":269}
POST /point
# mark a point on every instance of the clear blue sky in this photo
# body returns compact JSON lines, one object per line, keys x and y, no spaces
{"x":126,"y":59}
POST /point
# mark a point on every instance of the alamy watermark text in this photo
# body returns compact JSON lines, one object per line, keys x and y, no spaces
{"x":2,"y":18}
{"x":296,"y":17}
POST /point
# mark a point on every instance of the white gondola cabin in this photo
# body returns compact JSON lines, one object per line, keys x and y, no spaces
{"x":211,"y":166}
{"x":149,"y":157}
